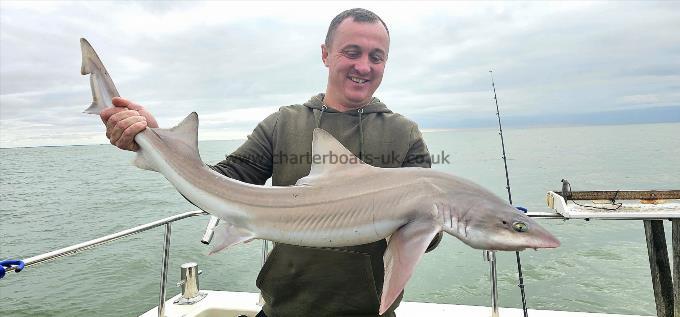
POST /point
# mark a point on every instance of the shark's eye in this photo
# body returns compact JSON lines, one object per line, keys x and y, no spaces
{"x":520,"y":226}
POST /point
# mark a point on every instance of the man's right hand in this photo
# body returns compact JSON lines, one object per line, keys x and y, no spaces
{"x":124,"y":120}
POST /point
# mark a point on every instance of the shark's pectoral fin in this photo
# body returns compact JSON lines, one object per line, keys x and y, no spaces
{"x":405,"y":248}
{"x":227,"y":235}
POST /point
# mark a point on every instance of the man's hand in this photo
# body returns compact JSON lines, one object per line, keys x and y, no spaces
{"x":124,"y":121}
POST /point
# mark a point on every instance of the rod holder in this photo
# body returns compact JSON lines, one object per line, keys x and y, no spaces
{"x":490,"y":256}
{"x":210,"y":230}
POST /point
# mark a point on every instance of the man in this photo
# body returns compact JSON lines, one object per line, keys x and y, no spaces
{"x":303,"y":281}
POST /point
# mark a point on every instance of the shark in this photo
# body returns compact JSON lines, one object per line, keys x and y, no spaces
{"x":343,"y":203}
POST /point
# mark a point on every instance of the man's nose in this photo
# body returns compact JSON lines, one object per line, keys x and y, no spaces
{"x":362,"y":66}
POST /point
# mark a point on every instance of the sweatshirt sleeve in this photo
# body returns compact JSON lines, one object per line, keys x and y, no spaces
{"x":419,"y":156}
{"x":252,"y":161}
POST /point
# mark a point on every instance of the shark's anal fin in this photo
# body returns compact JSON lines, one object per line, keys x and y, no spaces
{"x":227,"y":235}
{"x":405,"y":248}
{"x":141,"y":162}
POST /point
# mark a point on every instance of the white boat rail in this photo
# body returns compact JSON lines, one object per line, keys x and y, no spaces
{"x":77,"y":248}
{"x":166,"y":222}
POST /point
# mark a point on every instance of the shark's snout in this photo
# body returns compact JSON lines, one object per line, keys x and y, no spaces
{"x":548,"y":242}
{"x":540,"y":238}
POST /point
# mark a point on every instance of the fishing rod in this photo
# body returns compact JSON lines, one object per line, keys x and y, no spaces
{"x":507,"y":186}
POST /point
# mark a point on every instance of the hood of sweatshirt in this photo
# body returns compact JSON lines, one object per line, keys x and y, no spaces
{"x":375,"y":106}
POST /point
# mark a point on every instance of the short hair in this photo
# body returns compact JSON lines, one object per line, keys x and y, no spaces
{"x":358,"y":15}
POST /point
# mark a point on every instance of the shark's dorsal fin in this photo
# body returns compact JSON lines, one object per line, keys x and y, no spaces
{"x":187,"y":129}
{"x":330,"y":157}
{"x":181,"y":139}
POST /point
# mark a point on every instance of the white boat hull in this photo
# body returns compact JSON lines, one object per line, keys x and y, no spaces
{"x":234,"y":304}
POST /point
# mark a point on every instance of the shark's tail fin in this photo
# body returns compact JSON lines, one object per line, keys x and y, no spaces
{"x":103,"y":89}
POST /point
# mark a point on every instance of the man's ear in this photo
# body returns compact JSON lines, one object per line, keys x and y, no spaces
{"x":324,"y":54}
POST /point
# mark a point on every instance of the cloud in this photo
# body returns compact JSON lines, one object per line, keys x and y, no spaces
{"x":234,"y":62}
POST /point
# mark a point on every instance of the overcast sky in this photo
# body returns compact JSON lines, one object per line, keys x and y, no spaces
{"x":234,"y":63}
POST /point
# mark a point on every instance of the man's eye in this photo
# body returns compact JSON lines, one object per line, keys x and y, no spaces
{"x":352,"y":54}
{"x":377,"y":59}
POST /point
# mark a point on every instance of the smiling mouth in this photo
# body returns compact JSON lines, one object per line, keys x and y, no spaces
{"x":357,"y":80}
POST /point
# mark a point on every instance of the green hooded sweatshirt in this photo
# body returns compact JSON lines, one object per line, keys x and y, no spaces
{"x":303,"y":281}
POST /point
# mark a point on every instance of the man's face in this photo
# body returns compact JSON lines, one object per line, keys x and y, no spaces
{"x":356,"y":61}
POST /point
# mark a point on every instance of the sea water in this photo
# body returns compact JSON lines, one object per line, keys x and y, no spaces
{"x":52,"y":197}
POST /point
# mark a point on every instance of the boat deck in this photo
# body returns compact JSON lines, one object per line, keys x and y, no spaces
{"x":235,"y":304}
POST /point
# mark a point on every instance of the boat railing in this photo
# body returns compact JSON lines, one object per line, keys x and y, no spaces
{"x":653,"y":229}
{"x":77,"y":248}
{"x":166,"y":222}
